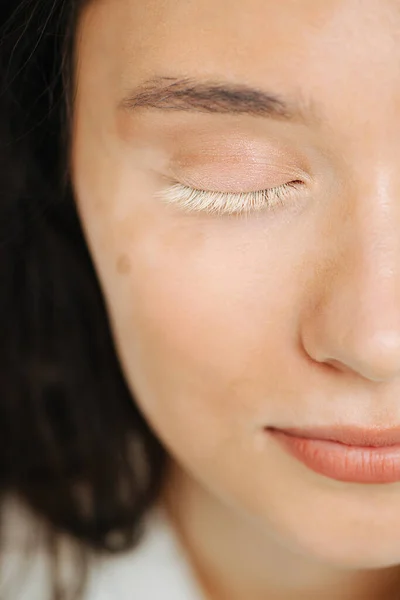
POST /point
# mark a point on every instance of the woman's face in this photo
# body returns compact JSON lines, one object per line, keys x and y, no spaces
{"x":278,"y":309}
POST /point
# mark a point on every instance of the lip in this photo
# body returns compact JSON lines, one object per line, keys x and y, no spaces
{"x":350,"y":435}
{"x":349,"y":454}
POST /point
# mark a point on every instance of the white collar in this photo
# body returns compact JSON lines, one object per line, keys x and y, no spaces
{"x":156,"y":569}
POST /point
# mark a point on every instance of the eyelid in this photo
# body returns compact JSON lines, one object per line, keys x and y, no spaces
{"x":226,"y":178}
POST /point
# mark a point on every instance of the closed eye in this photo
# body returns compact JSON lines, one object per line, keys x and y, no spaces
{"x":227,"y":203}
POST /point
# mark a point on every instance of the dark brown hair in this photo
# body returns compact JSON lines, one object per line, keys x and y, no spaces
{"x":72,"y":442}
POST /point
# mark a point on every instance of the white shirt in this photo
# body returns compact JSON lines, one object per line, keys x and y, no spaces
{"x":157,"y":569}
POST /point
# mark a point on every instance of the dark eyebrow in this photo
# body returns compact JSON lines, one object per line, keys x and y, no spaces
{"x":170,"y":93}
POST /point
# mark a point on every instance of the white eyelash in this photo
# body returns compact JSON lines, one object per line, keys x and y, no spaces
{"x":194,"y":200}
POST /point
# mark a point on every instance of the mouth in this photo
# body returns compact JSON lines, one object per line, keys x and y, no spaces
{"x":348,"y":454}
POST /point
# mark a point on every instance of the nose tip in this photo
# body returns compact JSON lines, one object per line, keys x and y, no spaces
{"x":354,"y":326}
{"x":377,"y":358}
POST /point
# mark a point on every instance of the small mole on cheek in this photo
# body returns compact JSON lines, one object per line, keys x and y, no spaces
{"x":123,"y":265}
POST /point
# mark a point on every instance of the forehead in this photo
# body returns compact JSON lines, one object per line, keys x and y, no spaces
{"x":236,"y":30}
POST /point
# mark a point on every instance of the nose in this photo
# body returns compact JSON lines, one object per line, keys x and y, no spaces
{"x":353,"y":317}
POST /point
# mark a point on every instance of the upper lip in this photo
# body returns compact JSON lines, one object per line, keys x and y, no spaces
{"x":349,"y":435}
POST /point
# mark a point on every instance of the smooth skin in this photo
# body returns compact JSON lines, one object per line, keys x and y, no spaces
{"x":285,"y":316}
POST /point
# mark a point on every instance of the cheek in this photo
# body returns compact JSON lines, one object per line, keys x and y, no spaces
{"x":183,"y":312}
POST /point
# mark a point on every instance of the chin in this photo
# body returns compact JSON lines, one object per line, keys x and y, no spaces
{"x":338,"y":540}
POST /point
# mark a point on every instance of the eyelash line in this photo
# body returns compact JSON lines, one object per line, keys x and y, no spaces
{"x":221,"y":203}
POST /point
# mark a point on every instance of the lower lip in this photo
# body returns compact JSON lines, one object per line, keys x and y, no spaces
{"x":355,"y":464}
